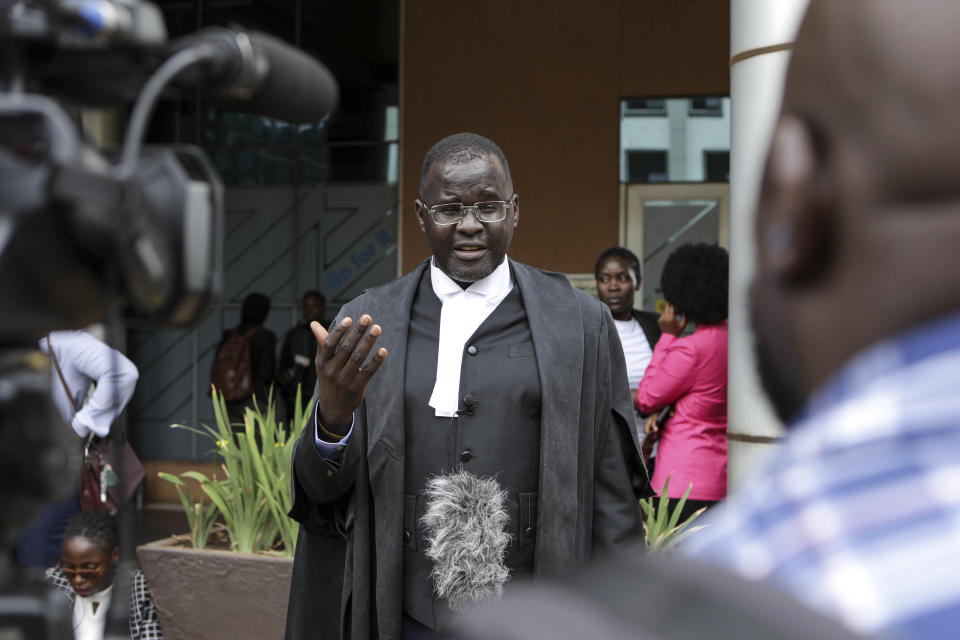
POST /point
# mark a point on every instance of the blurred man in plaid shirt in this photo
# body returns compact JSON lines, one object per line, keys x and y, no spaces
{"x":856,"y":307}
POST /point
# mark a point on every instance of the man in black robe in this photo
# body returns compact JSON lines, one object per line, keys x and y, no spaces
{"x":495,"y":442}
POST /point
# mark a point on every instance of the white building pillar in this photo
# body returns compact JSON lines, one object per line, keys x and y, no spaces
{"x":761,"y":37}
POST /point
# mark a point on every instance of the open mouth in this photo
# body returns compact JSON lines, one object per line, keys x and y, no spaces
{"x":470,"y":252}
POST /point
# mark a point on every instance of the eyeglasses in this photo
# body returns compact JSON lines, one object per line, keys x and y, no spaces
{"x":85,"y":574}
{"x":454,"y":212}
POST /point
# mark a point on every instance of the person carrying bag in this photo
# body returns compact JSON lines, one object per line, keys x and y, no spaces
{"x":80,"y":361}
{"x":100,"y":486}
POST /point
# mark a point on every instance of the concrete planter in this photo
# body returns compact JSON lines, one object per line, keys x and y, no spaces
{"x":207,"y":594}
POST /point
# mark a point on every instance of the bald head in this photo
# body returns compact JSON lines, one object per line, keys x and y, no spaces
{"x":858,"y":224}
{"x":876,"y":81}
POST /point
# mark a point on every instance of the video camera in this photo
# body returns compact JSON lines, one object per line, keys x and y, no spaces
{"x":76,"y":221}
{"x":83,"y":228}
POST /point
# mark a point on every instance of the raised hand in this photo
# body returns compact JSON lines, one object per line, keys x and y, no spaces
{"x":671,"y":322}
{"x":343,"y":369}
{"x":650,"y":425}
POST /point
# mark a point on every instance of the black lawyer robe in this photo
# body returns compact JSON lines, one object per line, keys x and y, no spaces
{"x":348,"y":567}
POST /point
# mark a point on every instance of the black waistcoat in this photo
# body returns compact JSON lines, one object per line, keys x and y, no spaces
{"x":500,"y":437}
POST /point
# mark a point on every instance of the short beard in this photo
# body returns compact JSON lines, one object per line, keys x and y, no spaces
{"x":457,"y":272}
{"x":777,"y":373}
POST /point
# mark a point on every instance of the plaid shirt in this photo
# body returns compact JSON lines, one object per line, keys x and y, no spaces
{"x":144,"y":623}
{"x":858,"y":513}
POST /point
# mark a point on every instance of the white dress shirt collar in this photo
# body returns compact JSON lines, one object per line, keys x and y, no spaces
{"x":495,"y":286}
{"x":464,"y":310}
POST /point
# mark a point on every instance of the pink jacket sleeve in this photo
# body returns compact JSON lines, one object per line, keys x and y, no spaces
{"x":670,"y":374}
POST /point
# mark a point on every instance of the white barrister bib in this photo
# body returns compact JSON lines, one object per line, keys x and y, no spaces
{"x":464,"y":310}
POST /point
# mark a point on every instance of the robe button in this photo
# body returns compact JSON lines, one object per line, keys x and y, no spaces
{"x":466,"y":456}
{"x":407,"y":536}
{"x":472,"y":350}
{"x":528,"y":532}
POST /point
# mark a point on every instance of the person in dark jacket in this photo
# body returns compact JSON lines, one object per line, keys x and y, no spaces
{"x":299,"y":348}
{"x":263,"y":345}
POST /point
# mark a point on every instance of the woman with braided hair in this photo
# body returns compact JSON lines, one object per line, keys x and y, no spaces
{"x":85,"y":573}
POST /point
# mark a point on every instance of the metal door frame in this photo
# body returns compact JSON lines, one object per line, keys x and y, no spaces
{"x":632,"y":197}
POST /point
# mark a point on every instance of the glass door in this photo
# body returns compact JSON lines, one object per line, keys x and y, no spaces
{"x":657,"y":218}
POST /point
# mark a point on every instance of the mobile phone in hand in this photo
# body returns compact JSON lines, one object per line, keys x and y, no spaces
{"x":665,"y":414}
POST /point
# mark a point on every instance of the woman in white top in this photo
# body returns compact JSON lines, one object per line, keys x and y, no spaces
{"x":85,"y":573}
{"x":618,"y":279}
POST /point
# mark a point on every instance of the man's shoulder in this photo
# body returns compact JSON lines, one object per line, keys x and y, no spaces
{"x":390,"y":288}
{"x":387,"y":291}
{"x":558,"y":282}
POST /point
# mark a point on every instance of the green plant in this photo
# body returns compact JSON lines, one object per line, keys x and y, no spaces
{"x":661,"y":528}
{"x":252,"y":495}
{"x":200,"y":518}
{"x":273,"y":471}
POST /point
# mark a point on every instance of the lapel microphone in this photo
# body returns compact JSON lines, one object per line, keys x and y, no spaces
{"x":469,"y":404}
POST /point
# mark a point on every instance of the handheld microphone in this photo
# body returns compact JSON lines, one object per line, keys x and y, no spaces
{"x":257,"y":73}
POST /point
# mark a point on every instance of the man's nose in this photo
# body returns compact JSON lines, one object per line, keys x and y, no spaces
{"x":470,"y":224}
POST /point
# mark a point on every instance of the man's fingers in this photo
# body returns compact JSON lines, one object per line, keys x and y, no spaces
{"x":371,"y":367}
{"x":344,"y":348}
{"x":329,"y":345}
{"x":319,"y":333}
{"x":358,"y":354}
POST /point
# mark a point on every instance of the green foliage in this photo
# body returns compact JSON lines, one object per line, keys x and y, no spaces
{"x":662,"y":531}
{"x":251,"y":489}
{"x":200,"y":518}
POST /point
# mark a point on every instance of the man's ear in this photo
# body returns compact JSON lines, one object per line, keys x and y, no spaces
{"x":421,"y":211}
{"x":516,"y":210}
{"x":794,"y":221}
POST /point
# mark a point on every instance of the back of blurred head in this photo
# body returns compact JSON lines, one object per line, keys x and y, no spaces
{"x":695,"y":281}
{"x":314,"y":306}
{"x":254,"y":310}
{"x":858,"y":222}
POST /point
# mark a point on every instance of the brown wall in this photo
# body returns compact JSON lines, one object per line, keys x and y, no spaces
{"x":544,"y":79}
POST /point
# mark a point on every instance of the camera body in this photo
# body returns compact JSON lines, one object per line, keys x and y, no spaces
{"x":77,"y":226}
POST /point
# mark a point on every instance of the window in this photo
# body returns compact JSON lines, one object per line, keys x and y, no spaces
{"x":716,"y":166}
{"x":688,"y":142}
{"x":712,"y":106}
{"x":647,"y":166}
{"x":645,"y":107}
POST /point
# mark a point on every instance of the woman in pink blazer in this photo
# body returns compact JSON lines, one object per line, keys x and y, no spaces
{"x":690,"y":373}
